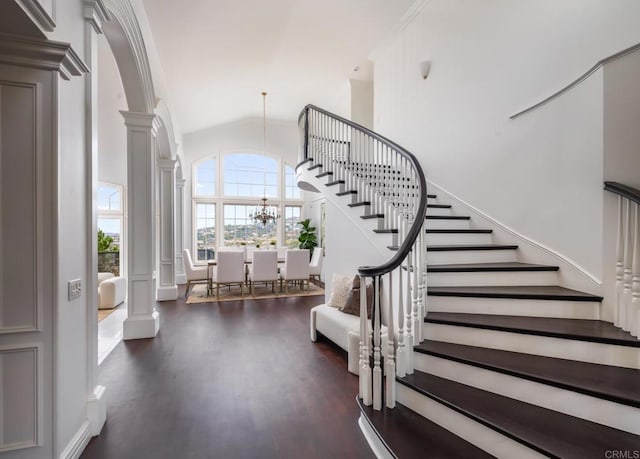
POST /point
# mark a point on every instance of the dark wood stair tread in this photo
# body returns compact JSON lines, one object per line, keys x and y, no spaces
{"x":344,"y":193}
{"x":409,"y":435}
{"x":462,"y":247}
{"x":335,"y":182}
{"x":489,"y":267}
{"x":432,"y":196}
{"x":303,"y":162}
{"x":439,"y":206}
{"x":386,"y":231}
{"x":575,"y":329}
{"x":447,"y":217}
{"x":315,"y":166}
{"x":458,"y":231}
{"x":358,"y":204}
{"x":617,"y":384}
{"x":324,"y":174}
{"x":545,"y":292}
{"x":548,"y":432}
{"x":368,"y":217}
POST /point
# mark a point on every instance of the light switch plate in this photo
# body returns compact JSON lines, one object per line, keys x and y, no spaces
{"x":75,"y":289}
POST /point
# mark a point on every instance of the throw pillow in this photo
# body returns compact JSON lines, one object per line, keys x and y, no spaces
{"x":341,"y":285}
{"x":352,"y":305}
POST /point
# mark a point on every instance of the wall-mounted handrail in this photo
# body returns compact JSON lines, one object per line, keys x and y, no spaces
{"x":577,"y":81}
{"x":623,"y":190}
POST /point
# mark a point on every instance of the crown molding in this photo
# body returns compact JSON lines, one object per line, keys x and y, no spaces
{"x":413,"y":11}
{"x":96,"y":14}
{"x":37,"y":14}
{"x":41,"y":54}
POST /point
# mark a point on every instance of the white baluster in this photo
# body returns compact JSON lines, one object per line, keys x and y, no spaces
{"x":618,"y":318}
{"x":634,"y":310}
{"x":365,"y":368}
{"x":627,"y":277}
{"x":390,"y":366}
{"x":425,"y":297}
{"x":415,"y":324}
{"x":401,"y":356}
{"x":376,"y":319}
{"x":408,"y":319}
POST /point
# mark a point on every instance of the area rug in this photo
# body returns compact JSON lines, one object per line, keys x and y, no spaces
{"x":199,"y":293}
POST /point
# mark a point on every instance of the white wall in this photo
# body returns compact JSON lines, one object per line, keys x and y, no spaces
{"x":540,"y":174}
{"x":362,"y":102}
{"x":240,"y":136}
{"x":112,"y":133}
{"x":71,"y":327}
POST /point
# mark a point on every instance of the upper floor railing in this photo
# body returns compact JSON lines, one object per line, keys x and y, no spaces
{"x":389,"y":181}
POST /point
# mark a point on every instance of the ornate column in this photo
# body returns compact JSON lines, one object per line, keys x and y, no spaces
{"x":181,"y":277}
{"x":143,"y":319}
{"x":95,"y":15}
{"x":167,"y":288}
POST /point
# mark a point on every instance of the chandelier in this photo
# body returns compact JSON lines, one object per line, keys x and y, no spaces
{"x":265,"y":213}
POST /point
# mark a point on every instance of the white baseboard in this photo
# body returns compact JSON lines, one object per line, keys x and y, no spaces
{"x":78,"y":443}
{"x":167,"y":293}
{"x":141,"y":326}
{"x":377,"y":446}
{"x":97,"y":410}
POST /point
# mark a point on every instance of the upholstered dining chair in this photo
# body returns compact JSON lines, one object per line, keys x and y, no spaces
{"x":264,"y":268}
{"x":315,"y":266}
{"x":229,"y":270}
{"x":295,"y":268}
{"x":195,"y":274}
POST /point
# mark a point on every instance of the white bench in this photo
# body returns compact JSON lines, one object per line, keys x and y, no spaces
{"x":343,"y":329}
{"x":112,"y":290}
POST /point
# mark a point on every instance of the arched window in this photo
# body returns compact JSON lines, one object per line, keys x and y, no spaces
{"x":291,"y":189}
{"x":250,"y":175}
{"x":205,"y":178}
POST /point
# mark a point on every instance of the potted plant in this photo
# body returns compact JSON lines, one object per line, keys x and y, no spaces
{"x":273,"y":245}
{"x":257,"y":245}
{"x":307,"y":237}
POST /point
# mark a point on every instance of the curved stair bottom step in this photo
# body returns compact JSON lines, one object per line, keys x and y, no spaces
{"x":598,"y":410}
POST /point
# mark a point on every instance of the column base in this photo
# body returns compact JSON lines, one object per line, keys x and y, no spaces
{"x":141,"y":326}
{"x":167,"y":293}
{"x":97,"y":410}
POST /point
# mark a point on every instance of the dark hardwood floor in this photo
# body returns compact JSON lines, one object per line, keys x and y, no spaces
{"x":230,"y":380}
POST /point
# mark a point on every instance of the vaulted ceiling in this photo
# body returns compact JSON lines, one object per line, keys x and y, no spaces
{"x":218,"y":55}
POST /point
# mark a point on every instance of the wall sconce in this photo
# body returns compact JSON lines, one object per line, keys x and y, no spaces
{"x":425,"y":68}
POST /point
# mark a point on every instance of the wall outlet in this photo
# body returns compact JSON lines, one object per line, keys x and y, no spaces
{"x":75,"y":289}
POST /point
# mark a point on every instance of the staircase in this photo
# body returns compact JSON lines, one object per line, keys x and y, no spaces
{"x":490,"y":356}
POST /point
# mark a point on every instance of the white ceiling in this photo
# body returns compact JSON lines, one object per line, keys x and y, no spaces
{"x":219,"y":55}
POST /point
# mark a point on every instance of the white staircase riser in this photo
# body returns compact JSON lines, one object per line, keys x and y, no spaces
{"x":593,"y":409}
{"x":386,"y":239}
{"x":458,"y":238}
{"x":507,"y":278}
{"x":438,"y":211}
{"x":466,"y":428}
{"x":470,"y":256}
{"x":447,"y":224}
{"x":515,"y":307}
{"x":583,"y":351}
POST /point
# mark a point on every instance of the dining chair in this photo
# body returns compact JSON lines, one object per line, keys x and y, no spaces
{"x":295,"y":268}
{"x":315,"y":266}
{"x":264,"y":268}
{"x":195,"y":274}
{"x":229,"y":270}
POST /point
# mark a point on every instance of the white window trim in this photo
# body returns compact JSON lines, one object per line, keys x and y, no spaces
{"x":219,"y":199}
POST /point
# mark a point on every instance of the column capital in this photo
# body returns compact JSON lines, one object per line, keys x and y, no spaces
{"x":141,"y":120}
{"x":96,"y":14}
{"x":167,"y":164}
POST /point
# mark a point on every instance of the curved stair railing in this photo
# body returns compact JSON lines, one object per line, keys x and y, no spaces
{"x":627,"y":307}
{"x":389,"y":180}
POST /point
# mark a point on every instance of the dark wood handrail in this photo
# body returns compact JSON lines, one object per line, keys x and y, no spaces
{"x":623,"y":190}
{"x":414,"y":231}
